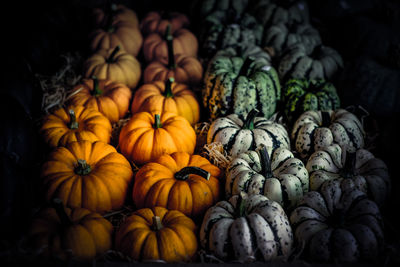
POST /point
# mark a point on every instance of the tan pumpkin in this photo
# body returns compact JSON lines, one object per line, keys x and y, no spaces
{"x":157,"y":22}
{"x":113,"y":64}
{"x":147,"y":136}
{"x":167,"y":96}
{"x":157,"y":234}
{"x":112,"y":99}
{"x":75,"y":123}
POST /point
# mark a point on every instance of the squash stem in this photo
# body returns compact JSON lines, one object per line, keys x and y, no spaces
{"x":241,"y":204}
{"x":266,"y":170}
{"x":245,"y":67}
{"x":62,"y":215}
{"x":326,"y":118}
{"x":170,"y":45}
{"x":157,"y":121}
{"x":348,"y":170}
{"x":111,"y":58}
{"x":249,"y":122}
{"x":82,"y":167}
{"x":184,"y":173}
{"x":157,"y":225}
{"x":110,"y":11}
{"x":73,"y":124}
{"x":168,"y":87}
{"x":96,"y":88}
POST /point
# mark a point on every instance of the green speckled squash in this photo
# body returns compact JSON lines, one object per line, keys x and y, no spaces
{"x":301,"y":95}
{"x":247,"y":228}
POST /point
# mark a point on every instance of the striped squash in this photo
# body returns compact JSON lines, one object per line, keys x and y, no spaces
{"x":338,"y":225}
{"x":233,"y":84}
{"x":247,"y":228}
{"x":238,"y":136}
{"x":298,"y":61}
{"x":276,"y":174}
{"x":301,"y":95}
{"x":359,"y":169}
{"x":314,"y":130}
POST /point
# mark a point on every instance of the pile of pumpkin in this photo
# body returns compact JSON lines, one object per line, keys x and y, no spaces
{"x":301,"y":181}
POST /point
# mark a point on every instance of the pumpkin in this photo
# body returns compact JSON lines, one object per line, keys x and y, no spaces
{"x":276,"y":174}
{"x":179,"y":181}
{"x":233,"y":84}
{"x":116,"y":26}
{"x":147,"y":136}
{"x":301,"y":95}
{"x":75,"y":123}
{"x":112,"y":99}
{"x":157,"y":22}
{"x":115,"y":65}
{"x":279,"y":37}
{"x":359,"y":168}
{"x":87,"y":175}
{"x":185,"y":69}
{"x":338,"y":225}
{"x":238,"y":136}
{"x":247,"y":228}
{"x":63,"y":233}
{"x":167,"y":96}
{"x":299,"y":62}
{"x":155,"y":44}
{"x":157,"y":234}
{"x":316,"y":129}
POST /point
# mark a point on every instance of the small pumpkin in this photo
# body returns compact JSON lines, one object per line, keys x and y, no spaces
{"x":179,"y":181}
{"x":155,"y":44}
{"x":314,"y":130}
{"x":157,"y":234}
{"x":358,"y":168}
{"x":157,"y":22}
{"x":147,"y":136}
{"x":75,"y":123}
{"x":277,"y":174}
{"x":167,"y":96}
{"x":115,"y":65}
{"x":247,"y":228}
{"x":301,"y":95}
{"x":64,"y":233}
{"x":117,"y":26}
{"x":112,"y":99}
{"x":238,"y":136}
{"x":338,"y":225}
{"x":87,"y":175}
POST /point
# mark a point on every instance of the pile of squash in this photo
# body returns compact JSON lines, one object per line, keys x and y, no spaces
{"x":299,"y":182}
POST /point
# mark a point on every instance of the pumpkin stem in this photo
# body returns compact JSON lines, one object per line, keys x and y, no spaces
{"x":110,"y":11}
{"x":111,"y":58}
{"x":266,"y":170}
{"x":157,"y":225}
{"x":184,"y":173}
{"x":326,"y":118}
{"x":168,"y":89}
{"x":170,"y":44}
{"x":246,"y":65}
{"x":249,"y":122}
{"x":241,"y":204}
{"x":82,"y":167}
{"x":73,"y":123}
{"x":96,"y":89}
{"x":348,"y":170}
{"x":157,"y":121}
{"x":62,"y":215}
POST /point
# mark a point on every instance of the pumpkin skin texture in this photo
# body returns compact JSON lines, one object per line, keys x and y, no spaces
{"x":110,"y":98}
{"x":157,"y":22}
{"x":170,"y":182}
{"x":301,"y":95}
{"x":239,"y":136}
{"x":237,"y":228}
{"x":88,"y":175}
{"x":115,"y":65}
{"x":157,"y":234}
{"x":81,"y":234}
{"x":359,"y":169}
{"x":314,"y":130}
{"x":75,"y":123}
{"x":338,"y":225}
{"x":167,"y":96}
{"x":149,"y":135}
{"x":278,"y":175}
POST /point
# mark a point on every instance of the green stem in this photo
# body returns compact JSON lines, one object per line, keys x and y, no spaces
{"x":184,"y":173}
{"x":73,"y":124}
{"x":62,"y":215}
{"x":110,"y":11}
{"x":157,"y":225}
{"x":246,"y":65}
{"x":326,"y":119}
{"x":168,"y":89}
{"x":241,"y":205}
{"x":266,"y":170}
{"x":170,"y":44}
{"x":157,"y":121}
{"x":111,"y":58}
{"x":96,"y":88}
{"x":82,"y":167}
{"x":249,"y":122}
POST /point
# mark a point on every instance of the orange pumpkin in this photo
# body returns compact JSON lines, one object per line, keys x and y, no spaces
{"x":88,"y":175}
{"x":63,"y":233}
{"x":157,"y":234}
{"x":157,"y":22}
{"x":155,"y":44}
{"x":112,"y":99}
{"x":75,"y":123}
{"x":167,"y":97}
{"x":113,"y":64}
{"x":180,"y":181}
{"x":147,"y":136}
{"x":118,"y":26}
